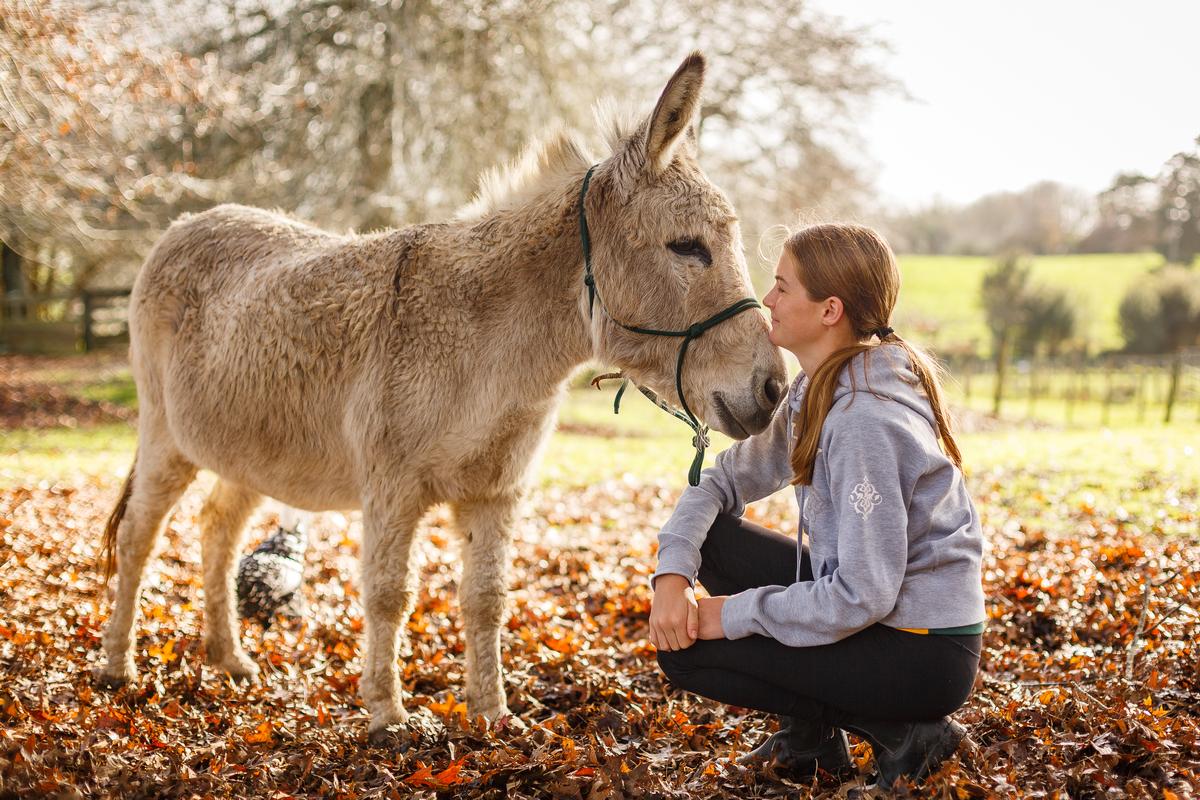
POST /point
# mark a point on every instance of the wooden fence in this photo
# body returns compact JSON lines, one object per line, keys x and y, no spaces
{"x":64,"y":323}
{"x":1105,"y":389}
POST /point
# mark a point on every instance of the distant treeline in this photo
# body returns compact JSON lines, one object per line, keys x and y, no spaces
{"x":1136,"y":213}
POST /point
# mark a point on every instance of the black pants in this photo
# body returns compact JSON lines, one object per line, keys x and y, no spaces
{"x":879,"y":673}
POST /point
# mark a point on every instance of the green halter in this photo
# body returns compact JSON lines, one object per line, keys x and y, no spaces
{"x":700,"y":439}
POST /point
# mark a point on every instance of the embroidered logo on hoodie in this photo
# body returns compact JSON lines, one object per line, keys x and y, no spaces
{"x":864,"y":498}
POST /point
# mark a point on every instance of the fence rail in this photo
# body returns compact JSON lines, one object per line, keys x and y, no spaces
{"x":56,"y":323}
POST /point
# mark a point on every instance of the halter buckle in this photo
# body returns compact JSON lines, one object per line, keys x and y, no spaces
{"x":700,"y":440}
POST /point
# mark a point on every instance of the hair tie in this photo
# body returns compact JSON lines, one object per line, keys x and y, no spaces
{"x":883,"y":332}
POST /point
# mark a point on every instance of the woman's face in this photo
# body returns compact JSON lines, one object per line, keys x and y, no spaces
{"x":795,"y":317}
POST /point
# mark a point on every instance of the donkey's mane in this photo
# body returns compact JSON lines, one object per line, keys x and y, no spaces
{"x":543,"y":162}
{"x":556,"y":155}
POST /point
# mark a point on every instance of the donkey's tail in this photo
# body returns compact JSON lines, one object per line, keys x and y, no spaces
{"x":108,"y":552}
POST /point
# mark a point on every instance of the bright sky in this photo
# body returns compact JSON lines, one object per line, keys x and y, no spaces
{"x":1009,"y":93}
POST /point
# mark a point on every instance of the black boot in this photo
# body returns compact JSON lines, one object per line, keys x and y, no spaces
{"x":801,"y":746}
{"x":908,"y":749}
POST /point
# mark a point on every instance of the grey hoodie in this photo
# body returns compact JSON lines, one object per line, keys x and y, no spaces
{"x":893,"y":534}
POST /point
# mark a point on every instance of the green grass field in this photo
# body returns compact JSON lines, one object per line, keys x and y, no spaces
{"x":1128,"y":467}
{"x":1148,"y":471}
{"x":939,"y":297}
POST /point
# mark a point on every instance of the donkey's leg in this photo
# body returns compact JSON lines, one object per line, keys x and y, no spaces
{"x":223,"y":520}
{"x":160,"y":474}
{"x":486,"y":527}
{"x":388,"y":583}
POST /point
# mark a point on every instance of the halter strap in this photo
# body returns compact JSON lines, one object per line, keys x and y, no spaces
{"x":700,"y":439}
{"x":586,"y":240}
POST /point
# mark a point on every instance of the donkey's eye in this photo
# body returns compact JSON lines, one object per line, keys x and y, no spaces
{"x":691,"y":248}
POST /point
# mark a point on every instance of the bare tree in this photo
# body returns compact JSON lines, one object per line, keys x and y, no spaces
{"x":366,"y":113}
{"x":92,"y":155}
{"x":1002,"y":295}
{"x":1179,"y":207}
{"x":1125,"y":216}
{"x":1046,"y":217}
{"x":417,"y":98}
{"x":385,"y":112}
{"x":786,"y":86}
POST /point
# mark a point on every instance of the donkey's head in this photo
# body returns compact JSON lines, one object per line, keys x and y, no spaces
{"x":667,"y":254}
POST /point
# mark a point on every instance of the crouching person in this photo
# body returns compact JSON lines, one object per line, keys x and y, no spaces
{"x":873,"y":626}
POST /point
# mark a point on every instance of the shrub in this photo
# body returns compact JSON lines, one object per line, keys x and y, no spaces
{"x":1162,"y":314}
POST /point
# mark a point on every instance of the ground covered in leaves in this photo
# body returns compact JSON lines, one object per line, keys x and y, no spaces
{"x":38,"y":393}
{"x":1090,"y":684}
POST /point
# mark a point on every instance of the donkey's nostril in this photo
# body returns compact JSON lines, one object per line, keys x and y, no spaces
{"x":772,"y":391}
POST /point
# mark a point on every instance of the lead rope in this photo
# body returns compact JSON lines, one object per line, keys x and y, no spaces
{"x":700,"y":431}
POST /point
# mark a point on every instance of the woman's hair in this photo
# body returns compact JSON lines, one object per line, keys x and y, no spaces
{"x":854,"y":264}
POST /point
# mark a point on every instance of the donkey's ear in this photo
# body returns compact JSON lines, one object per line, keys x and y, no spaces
{"x":675,"y":112}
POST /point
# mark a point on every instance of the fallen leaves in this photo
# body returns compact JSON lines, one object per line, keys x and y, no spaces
{"x":261,"y":734}
{"x":449,"y":709}
{"x":425,"y":777}
{"x":1053,"y":713}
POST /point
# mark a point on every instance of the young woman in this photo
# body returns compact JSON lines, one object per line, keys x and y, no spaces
{"x":874,"y":625}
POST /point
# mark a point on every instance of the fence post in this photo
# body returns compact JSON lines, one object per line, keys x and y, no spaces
{"x":88,"y":339}
{"x":1108,"y":393}
{"x":1141,"y":393}
{"x":1033,"y":387}
{"x":1072,"y":388}
{"x":1173,"y":387}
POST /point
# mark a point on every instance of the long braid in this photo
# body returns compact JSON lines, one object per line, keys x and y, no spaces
{"x":931,"y":374}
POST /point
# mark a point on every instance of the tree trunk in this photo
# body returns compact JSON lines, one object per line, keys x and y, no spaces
{"x":1106,"y":404}
{"x":1001,"y":372}
{"x":12,"y":282}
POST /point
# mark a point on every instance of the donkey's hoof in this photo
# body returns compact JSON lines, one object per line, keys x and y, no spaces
{"x":509,"y":722}
{"x":419,"y":729}
{"x":240,"y":668}
{"x":106,"y":679}
{"x":250,"y":676}
{"x":396,"y":736}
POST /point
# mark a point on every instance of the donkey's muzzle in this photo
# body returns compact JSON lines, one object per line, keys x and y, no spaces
{"x":769,"y":392}
{"x":753,"y":413}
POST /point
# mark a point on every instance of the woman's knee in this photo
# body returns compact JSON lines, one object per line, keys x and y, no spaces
{"x":676,"y":665}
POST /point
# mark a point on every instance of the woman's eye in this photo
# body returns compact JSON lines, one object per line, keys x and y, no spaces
{"x":691,"y":248}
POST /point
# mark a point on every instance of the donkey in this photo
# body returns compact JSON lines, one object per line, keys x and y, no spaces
{"x":400,"y":369}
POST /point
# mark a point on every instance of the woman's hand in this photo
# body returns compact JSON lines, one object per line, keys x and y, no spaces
{"x":710,"y":617}
{"x":674,"y":618}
